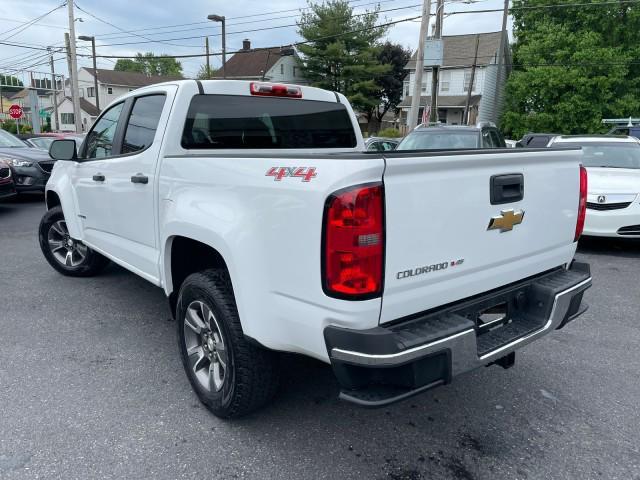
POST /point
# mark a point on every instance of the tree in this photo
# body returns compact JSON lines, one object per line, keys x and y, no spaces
{"x":342,"y":51}
{"x":150,"y":64}
{"x":10,"y":84}
{"x":574,"y":66}
{"x":388,"y":93}
{"x":203,"y":74}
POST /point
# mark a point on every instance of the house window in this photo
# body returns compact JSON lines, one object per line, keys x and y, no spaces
{"x":67,"y":118}
{"x":424,"y":88}
{"x":406,"y":89}
{"x":467,"y":80}
{"x":282,"y":69}
{"x":445,"y":80}
{"x":110,"y":90}
{"x":91,"y":92}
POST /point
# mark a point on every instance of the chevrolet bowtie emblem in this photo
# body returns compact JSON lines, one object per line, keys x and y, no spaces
{"x":506,"y":220}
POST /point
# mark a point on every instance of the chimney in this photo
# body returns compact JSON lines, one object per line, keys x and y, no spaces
{"x":246,"y":44}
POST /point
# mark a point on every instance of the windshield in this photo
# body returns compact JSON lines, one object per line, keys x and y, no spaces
{"x":8,"y":140}
{"x":611,"y":155}
{"x":439,"y":140}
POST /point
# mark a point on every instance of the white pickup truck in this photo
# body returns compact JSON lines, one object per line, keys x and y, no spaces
{"x":254,"y":206}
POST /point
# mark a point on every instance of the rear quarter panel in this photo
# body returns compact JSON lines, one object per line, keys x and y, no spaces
{"x":269,"y":233}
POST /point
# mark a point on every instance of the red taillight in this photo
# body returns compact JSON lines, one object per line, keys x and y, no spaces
{"x":275,"y":90}
{"x":582,"y":204}
{"x":354,"y":242}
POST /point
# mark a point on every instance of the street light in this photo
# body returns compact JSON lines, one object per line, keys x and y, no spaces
{"x":221,"y":19}
{"x":95,"y":69}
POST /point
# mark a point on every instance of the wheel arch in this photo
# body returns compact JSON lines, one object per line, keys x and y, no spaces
{"x":52,"y":200}
{"x":184,"y":255}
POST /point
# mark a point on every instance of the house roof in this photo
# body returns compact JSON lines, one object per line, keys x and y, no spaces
{"x":85,"y":105}
{"x":459,"y":50}
{"x":89,"y":107}
{"x":250,"y":63}
{"x":444,"y":101}
{"x":129,"y":79}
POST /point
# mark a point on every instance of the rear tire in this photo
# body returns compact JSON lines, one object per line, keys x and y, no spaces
{"x":231,"y":376}
{"x":68,"y":256}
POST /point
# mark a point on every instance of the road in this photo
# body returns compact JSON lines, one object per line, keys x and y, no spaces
{"x":91,"y":386}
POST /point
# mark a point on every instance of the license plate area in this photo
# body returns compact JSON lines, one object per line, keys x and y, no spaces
{"x":493,"y":318}
{"x":504,"y":316}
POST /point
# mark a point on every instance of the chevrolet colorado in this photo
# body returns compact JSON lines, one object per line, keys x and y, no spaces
{"x":254,"y":206}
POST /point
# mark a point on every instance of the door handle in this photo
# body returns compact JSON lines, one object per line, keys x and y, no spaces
{"x":140,"y":178}
{"x":98,"y":177}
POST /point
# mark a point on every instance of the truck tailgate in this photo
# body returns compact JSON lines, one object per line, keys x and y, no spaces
{"x":439,"y":247}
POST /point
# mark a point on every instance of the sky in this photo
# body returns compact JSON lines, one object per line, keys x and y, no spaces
{"x":141,"y":19}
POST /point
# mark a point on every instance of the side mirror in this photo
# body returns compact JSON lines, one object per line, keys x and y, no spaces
{"x":64,"y":149}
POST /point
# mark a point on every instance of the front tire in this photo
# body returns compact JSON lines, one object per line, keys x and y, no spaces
{"x":68,"y":256}
{"x":231,"y":376}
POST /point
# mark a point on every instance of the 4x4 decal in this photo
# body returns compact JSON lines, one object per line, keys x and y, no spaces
{"x":305,"y":173}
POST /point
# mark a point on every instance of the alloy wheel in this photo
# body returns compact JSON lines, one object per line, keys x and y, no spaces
{"x":66,"y":250}
{"x":206,"y":349}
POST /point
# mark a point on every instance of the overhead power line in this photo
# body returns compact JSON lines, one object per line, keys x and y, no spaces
{"x":252,"y":21}
{"x":263,"y":14}
{"x":458,"y":12}
{"x":115,"y":26}
{"x":24,"y":26}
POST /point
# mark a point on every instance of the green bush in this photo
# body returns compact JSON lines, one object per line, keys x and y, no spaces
{"x":390,"y":133}
{"x":10,"y":126}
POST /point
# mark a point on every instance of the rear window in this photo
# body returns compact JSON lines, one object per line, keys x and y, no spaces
{"x":243,"y":122}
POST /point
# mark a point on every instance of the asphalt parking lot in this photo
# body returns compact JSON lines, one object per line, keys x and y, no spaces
{"x":91,"y":386}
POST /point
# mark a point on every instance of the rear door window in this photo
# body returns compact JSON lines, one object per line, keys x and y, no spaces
{"x":250,"y":122}
{"x":143,"y":122}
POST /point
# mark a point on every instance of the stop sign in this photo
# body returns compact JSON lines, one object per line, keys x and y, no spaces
{"x":15,"y":111}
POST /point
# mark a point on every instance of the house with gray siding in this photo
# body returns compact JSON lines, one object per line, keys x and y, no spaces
{"x":455,"y":79}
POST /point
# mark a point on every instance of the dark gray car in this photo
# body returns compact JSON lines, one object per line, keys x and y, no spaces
{"x":453,"y":137}
{"x":31,"y":166}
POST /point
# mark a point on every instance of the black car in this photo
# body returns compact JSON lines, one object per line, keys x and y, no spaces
{"x":7,"y":187}
{"x":536,"y":140}
{"x":453,"y":137}
{"x":31,"y":166}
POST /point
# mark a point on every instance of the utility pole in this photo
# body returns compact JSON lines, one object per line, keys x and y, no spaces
{"x":501,"y":55}
{"x":95,"y":68}
{"x":73,"y":72}
{"x":206,"y":46}
{"x":224,"y":49}
{"x":54,"y":124}
{"x":435,"y":72}
{"x":412,"y":119}
{"x":467,"y":108}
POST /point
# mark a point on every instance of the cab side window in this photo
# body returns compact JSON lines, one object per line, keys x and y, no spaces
{"x":100,"y":139}
{"x":143,"y":123}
